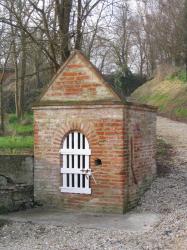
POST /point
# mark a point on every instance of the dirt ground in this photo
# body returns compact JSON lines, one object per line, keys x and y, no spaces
{"x":167,"y":198}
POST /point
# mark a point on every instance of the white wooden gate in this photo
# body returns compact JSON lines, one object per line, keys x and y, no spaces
{"x":75,"y":164}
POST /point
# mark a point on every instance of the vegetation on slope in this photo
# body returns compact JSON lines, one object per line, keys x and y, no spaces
{"x":169,"y":95}
{"x":18,"y":137}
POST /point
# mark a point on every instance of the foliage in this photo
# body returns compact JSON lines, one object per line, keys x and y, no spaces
{"x":126,"y":83}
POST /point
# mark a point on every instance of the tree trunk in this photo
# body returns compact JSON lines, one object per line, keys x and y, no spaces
{"x":78,"y":42}
{"x":16,"y":79}
{"x":22,"y":77}
{"x":2,"y":125}
{"x":63,"y":10}
{"x":2,"y":104}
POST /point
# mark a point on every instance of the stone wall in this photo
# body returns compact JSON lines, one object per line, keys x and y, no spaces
{"x":16,"y":182}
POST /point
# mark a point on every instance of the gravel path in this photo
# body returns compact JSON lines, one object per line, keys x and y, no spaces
{"x":167,"y":197}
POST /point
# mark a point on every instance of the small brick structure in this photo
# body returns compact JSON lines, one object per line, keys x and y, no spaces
{"x":93,"y":150}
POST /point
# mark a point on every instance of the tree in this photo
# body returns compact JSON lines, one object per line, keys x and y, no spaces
{"x":185,"y":35}
{"x":4,"y":56}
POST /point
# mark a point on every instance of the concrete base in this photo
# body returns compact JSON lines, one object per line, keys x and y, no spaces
{"x":131,"y":222}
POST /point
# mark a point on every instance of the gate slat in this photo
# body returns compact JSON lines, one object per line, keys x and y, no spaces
{"x":76,"y":168}
{"x":64,"y":166}
{"x":75,"y":140}
{"x":87,"y":180}
{"x":65,"y":143}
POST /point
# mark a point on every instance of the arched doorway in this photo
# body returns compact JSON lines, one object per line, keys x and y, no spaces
{"x":75,"y":168}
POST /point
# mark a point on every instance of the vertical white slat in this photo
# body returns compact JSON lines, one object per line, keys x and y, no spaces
{"x":76,"y":167}
{"x":64,"y":166}
{"x":81,"y":168}
{"x":70,"y":162}
{"x":75,"y":140}
{"x":86,"y":161}
{"x":65,"y":143}
{"x":81,"y":165}
{"x":70,"y":141}
{"x":76,"y":180}
{"x":70,"y":166}
{"x":75,"y":161}
{"x":86,"y":144}
{"x":80,"y":140}
{"x":87,"y":180}
{"x":80,"y":180}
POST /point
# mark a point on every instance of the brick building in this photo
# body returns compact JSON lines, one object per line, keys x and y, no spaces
{"x":94,"y":151}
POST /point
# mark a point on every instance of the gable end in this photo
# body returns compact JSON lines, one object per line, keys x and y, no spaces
{"x":78,"y":80}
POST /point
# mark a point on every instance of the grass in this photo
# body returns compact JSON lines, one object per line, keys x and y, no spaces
{"x":22,"y":129}
{"x":16,"y":142}
{"x":170,"y":96}
{"x":19,"y":135}
{"x":181,"y":112}
{"x":19,"y":128}
{"x":179,"y":75}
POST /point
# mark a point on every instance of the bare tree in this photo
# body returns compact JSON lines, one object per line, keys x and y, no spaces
{"x":5,"y":54}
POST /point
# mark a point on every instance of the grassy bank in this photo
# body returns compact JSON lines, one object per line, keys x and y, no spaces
{"x":169,"y":95}
{"x":18,"y":137}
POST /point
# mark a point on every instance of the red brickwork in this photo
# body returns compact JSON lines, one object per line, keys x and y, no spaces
{"x":142,"y":149}
{"x":106,"y":136}
{"x":111,"y":131}
{"x":80,"y":81}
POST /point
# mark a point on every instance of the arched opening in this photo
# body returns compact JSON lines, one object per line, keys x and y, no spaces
{"x":75,"y":168}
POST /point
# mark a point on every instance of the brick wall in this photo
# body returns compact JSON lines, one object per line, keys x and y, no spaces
{"x":142,"y":149}
{"x":104,"y":129}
